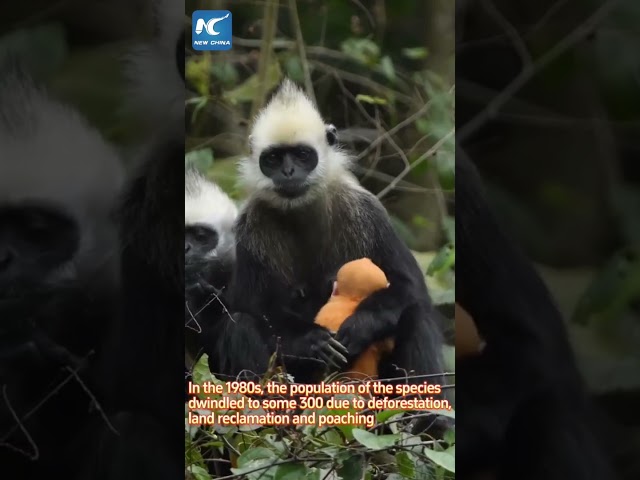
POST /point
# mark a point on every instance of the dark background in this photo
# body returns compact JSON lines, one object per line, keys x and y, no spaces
{"x":548,"y":108}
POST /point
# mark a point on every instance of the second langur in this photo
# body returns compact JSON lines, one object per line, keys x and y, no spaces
{"x":307,"y":215}
{"x":209,"y":254}
{"x":59,"y":276}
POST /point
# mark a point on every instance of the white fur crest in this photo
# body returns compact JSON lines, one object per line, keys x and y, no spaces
{"x":206,"y":203}
{"x":291,"y":118}
{"x":50,"y":155}
{"x":48,"y":152}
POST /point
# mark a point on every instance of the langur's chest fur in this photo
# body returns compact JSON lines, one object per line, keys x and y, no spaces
{"x":311,"y":241}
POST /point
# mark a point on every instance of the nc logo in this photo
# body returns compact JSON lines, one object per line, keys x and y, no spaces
{"x":211,"y":30}
{"x":201,"y":25}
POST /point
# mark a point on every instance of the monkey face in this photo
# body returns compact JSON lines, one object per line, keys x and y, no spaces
{"x":289,"y":167}
{"x":199,"y":242}
{"x":35,"y":240}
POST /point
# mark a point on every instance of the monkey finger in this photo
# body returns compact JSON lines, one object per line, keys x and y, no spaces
{"x":339,"y":346}
{"x":330,"y":361}
{"x":335,"y":355}
{"x":326,"y":359}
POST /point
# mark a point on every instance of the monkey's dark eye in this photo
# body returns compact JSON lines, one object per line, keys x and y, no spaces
{"x":270,"y":159}
{"x":205,"y":235}
{"x":37,"y":222}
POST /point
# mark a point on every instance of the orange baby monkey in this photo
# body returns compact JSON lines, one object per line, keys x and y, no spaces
{"x":356,"y":280}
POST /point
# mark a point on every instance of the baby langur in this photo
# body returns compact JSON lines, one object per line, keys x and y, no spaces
{"x":356,"y":280}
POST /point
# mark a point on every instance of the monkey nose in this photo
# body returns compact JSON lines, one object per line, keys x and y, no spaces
{"x":288,"y":171}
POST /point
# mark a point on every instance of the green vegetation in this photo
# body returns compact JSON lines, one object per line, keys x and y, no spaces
{"x":385,"y":86}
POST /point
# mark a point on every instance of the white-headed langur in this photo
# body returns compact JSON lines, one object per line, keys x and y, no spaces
{"x":305,"y":216}
{"x":59,"y":272}
{"x":209,"y":255}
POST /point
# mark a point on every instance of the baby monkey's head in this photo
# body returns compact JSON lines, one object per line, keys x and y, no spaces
{"x":359,"y":278}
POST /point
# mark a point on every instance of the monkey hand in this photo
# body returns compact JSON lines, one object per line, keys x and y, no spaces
{"x":197,"y":286}
{"x":326,"y":348}
{"x":357,"y":332}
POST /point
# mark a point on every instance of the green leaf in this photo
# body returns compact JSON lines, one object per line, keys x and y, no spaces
{"x":389,"y":71}
{"x":352,"y":467}
{"x":225,"y":72}
{"x":449,"y":225}
{"x":332,"y":437}
{"x":446,"y":459}
{"x":361,"y":49}
{"x":415,"y":53}
{"x":199,"y":473}
{"x":198,"y":73}
{"x":200,"y":103}
{"x":406,"y":464}
{"x":253,"y":454}
{"x":372,"y":100}
{"x":246,"y":91}
{"x":201,"y":373}
{"x":373,"y":441}
{"x":293,"y":67}
{"x":423,"y":125}
{"x":291,"y":471}
{"x":385,"y":415}
{"x":444,"y":260}
{"x":450,"y":436}
{"x":202,"y":159}
{"x":347,"y":431}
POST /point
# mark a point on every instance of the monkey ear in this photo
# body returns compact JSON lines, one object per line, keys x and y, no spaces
{"x":332,"y":135}
{"x":335,"y":289}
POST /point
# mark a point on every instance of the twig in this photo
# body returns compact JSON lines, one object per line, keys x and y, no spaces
{"x":510,"y":31}
{"x":295,"y":25}
{"x":418,"y":161}
{"x":36,"y":452}
{"x":93,"y":399}
{"x":268,"y":34}
{"x":529,"y":71}
{"x":407,"y":121}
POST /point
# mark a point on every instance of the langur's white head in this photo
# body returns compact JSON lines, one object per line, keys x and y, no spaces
{"x":293,"y":153}
{"x":209,"y":217}
{"x":59,"y":185}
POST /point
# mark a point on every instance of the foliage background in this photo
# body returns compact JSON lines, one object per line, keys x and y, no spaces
{"x":548,"y":106}
{"x":383,"y":73}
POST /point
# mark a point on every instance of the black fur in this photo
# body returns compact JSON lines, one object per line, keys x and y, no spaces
{"x":522,"y":410}
{"x":286,"y":262}
{"x":142,"y":368}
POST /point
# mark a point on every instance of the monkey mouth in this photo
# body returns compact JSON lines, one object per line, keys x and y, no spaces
{"x":291,"y":190}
